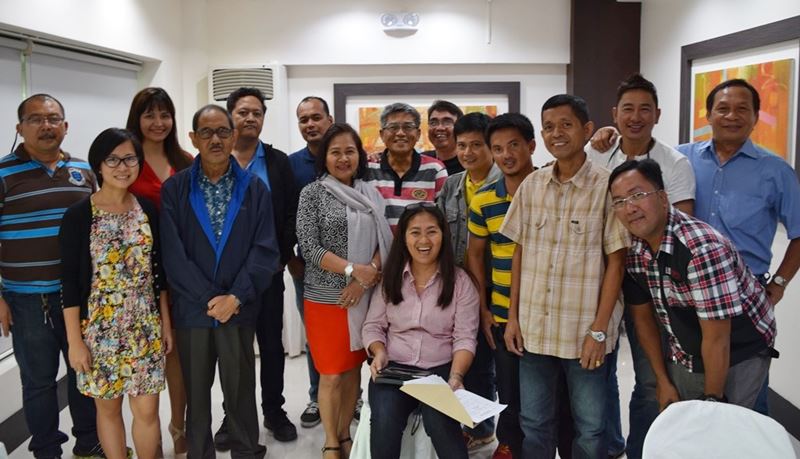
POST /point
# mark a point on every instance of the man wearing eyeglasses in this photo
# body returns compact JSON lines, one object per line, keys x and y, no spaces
{"x":246,"y":106}
{"x":718,"y":319}
{"x":403,"y":176}
{"x":220,"y":254}
{"x":442,"y":117}
{"x":39,"y":182}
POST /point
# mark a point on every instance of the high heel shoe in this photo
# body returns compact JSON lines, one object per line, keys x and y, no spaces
{"x":178,"y":439}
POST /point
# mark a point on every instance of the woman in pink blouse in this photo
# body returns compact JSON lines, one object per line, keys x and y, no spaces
{"x":425,"y":317}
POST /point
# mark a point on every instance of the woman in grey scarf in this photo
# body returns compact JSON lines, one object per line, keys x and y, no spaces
{"x":344,"y":239}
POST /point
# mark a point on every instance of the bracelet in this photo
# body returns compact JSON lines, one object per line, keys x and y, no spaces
{"x":362,"y":285}
{"x":374,"y":265}
{"x":456,"y":375}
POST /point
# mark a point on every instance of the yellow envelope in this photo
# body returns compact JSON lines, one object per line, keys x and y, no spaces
{"x":439,"y":397}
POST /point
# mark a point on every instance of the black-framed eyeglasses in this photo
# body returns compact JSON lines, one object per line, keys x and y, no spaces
{"x":114,"y":161}
{"x":445,"y":122}
{"x":421,"y":205}
{"x":38,"y":120}
{"x":618,"y":204}
{"x":221,"y":132}
{"x":406,"y":127}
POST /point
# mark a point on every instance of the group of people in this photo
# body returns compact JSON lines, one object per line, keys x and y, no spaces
{"x":146,"y":267}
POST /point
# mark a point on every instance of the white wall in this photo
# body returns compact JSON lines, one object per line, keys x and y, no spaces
{"x":666,"y":26}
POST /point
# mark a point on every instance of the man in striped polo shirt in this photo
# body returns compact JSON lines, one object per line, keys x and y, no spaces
{"x":39,"y":182}
{"x":511,"y":139}
{"x":403,"y":176}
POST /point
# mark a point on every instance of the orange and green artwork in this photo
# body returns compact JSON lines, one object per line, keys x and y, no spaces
{"x":369,"y":125}
{"x":773,"y":80}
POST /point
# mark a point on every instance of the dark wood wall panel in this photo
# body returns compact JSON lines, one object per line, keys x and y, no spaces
{"x":604,"y":50}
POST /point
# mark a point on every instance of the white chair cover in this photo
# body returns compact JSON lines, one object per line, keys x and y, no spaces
{"x":708,"y":430}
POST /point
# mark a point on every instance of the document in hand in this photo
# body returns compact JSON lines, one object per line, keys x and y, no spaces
{"x":462,"y":405}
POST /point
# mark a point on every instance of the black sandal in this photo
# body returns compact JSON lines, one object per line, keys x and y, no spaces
{"x":345,"y":440}
{"x":334,"y":449}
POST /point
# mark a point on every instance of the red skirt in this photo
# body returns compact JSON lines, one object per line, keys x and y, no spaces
{"x":329,"y":338}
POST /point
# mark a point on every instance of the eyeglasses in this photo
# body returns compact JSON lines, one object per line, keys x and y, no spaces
{"x":445,"y":122}
{"x":38,"y":120}
{"x":421,"y":205}
{"x":114,"y":161}
{"x":406,"y":127}
{"x":618,"y":204}
{"x":222,"y":133}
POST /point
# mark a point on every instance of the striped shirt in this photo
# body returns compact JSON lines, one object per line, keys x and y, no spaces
{"x":486,"y":213}
{"x":422,"y":182}
{"x":32,"y":201}
{"x":701,"y":276}
{"x":565,"y":230}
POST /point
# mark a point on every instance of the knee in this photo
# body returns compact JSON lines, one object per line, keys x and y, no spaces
{"x":331,"y":382}
{"x":111,"y":409}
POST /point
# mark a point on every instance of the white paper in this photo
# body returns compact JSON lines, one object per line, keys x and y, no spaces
{"x":430,"y":379}
{"x":477,"y":407}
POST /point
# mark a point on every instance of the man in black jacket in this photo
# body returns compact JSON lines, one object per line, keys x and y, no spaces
{"x":246,"y":106}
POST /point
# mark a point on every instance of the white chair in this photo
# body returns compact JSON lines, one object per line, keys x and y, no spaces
{"x":709,"y":430}
{"x":414,"y":446}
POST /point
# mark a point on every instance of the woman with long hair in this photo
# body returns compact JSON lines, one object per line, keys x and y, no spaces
{"x":423,"y":317}
{"x":152,"y":120}
{"x":344,"y":238}
{"x":115,"y":306}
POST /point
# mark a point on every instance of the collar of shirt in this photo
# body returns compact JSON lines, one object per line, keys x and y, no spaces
{"x":408,"y":277}
{"x":747,"y":149}
{"x":260,"y":153}
{"x":22,"y":154}
{"x":305,"y":153}
{"x":226,"y":178}
{"x":416,"y":160}
{"x":580,"y":179}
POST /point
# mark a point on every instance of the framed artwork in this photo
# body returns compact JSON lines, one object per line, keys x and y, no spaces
{"x":360,"y":105}
{"x":767,"y":57}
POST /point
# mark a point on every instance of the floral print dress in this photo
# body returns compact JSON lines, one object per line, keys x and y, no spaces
{"x":123,"y":328}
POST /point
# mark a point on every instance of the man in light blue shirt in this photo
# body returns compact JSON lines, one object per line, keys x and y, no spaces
{"x":743,"y":191}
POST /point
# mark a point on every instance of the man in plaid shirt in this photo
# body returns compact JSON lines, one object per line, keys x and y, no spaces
{"x":718,"y":320}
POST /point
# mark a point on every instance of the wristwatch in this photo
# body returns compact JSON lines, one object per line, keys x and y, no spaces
{"x":348,"y":272}
{"x":598,"y":336}
{"x":780,"y":281}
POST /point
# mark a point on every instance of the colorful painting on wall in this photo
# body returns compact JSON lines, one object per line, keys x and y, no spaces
{"x":773,"y":80}
{"x":369,"y":126}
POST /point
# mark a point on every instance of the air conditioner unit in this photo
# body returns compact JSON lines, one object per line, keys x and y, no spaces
{"x":271,"y":80}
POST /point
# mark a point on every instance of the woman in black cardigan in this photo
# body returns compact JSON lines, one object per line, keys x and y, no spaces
{"x":115,"y":303}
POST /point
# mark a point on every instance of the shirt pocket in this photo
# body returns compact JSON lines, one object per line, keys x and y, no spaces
{"x":585,"y":234}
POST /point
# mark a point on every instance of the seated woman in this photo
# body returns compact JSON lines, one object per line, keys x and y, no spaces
{"x":425,"y":316}
{"x":114,"y":295}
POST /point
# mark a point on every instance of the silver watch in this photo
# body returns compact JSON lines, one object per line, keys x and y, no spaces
{"x":598,"y":336}
{"x":780,"y":281}
{"x":348,"y":271}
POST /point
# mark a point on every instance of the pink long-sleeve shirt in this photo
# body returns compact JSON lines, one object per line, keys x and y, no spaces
{"x":417,"y":331}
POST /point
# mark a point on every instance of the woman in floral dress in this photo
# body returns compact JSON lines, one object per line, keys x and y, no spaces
{"x":116,"y":316}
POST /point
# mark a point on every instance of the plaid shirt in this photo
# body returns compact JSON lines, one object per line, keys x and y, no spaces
{"x":565,"y":230}
{"x":702,"y":271}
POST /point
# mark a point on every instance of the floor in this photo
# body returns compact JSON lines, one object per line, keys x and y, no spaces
{"x":310,"y":441}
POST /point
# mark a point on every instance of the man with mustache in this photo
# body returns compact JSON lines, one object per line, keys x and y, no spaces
{"x":39,"y":182}
{"x":220,"y":251}
{"x":246,"y":106}
{"x":402,"y":175}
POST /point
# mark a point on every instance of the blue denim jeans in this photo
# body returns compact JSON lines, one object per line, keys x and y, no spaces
{"x":39,"y":339}
{"x":614,"y":438}
{"x":643,"y":408}
{"x":538,"y":382}
{"x":390,"y":410}
{"x":480,"y":379}
{"x":313,"y":374}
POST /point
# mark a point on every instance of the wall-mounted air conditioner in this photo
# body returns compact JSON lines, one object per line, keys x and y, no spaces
{"x":271,"y":80}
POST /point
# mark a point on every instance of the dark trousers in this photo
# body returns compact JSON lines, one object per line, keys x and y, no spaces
{"x":232,"y":346}
{"x":390,"y":410}
{"x":480,"y":379}
{"x":269,"y":334}
{"x":39,"y":339}
{"x":506,"y":364}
